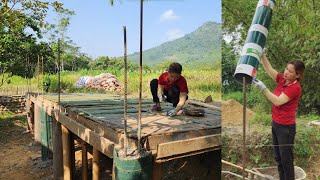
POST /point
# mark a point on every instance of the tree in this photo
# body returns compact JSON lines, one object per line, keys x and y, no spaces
{"x":60,"y":28}
{"x":16,"y":44}
{"x":294,"y":34}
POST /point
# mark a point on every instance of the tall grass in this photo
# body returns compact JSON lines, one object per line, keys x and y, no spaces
{"x":201,"y":82}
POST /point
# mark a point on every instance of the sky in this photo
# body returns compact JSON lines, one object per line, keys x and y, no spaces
{"x":97,"y":27}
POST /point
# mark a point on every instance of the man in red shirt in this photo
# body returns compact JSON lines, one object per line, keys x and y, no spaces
{"x":172,"y":87}
{"x":285,"y":99}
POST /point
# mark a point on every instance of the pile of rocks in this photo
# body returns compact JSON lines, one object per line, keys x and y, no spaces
{"x":105,"y":82}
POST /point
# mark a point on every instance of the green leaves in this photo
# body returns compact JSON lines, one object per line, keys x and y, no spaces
{"x":293,"y":34}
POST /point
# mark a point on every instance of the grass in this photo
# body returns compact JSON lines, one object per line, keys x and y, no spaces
{"x":201,"y":82}
{"x":7,"y":122}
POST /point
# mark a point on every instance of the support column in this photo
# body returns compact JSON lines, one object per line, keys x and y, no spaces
{"x":57,"y":151}
{"x":84,"y":160}
{"x":67,"y":164}
{"x":156,"y":171}
{"x":37,"y":124}
{"x":95,"y":164}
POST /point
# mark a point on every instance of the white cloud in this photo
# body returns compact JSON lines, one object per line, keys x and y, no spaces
{"x":174,"y":34}
{"x":169,"y":15}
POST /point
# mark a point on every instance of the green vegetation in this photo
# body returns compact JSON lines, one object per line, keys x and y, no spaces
{"x":293,"y":34}
{"x":199,"y":48}
{"x":7,"y":121}
{"x":201,"y":82}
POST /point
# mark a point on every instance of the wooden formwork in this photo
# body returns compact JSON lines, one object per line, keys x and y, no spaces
{"x":97,"y":119}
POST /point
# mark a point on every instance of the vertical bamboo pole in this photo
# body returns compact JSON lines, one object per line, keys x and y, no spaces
{"x":95,"y":164}
{"x":38,"y":72}
{"x":42,"y":78}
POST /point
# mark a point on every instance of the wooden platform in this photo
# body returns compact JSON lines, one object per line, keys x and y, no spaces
{"x":98,"y":120}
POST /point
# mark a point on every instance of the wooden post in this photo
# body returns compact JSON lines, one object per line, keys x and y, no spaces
{"x":156,"y":171}
{"x":95,"y":164}
{"x":84,"y":160}
{"x":37,"y":124}
{"x":66,"y":153}
{"x":57,"y":151}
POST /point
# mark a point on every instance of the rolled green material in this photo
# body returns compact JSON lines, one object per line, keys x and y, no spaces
{"x":256,"y":39}
{"x":133,"y":169}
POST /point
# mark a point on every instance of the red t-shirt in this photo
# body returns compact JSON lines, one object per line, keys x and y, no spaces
{"x":181,"y":82}
{"x":286,"y":114}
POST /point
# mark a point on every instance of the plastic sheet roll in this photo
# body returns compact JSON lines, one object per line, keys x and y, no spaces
{"x":256,"y":39}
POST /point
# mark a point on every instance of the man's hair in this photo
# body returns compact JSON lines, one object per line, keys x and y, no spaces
{"x":175,"y":68}
{"x":299,"y":68}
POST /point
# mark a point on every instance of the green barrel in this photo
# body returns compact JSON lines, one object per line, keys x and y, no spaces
{"x":133,"y":169}
{"x":256,"y":39}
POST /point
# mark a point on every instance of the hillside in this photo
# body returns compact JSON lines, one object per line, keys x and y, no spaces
{"x":200,"y":47}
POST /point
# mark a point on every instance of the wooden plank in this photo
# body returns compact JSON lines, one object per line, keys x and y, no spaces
{"x":188,"y":145}
{"x":102,"y":144}
{"x":203,"y":105}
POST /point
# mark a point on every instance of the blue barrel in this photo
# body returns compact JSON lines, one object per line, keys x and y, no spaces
{"x":256,"y":39}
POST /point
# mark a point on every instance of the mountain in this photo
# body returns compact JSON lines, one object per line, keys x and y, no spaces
{"x":200,"y":47}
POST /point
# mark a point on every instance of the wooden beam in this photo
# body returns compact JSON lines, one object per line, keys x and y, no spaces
{"x":154,"y":140}
{"x":102,"y":144}
{"x":188,"y":145}
{"x":204,"y":105}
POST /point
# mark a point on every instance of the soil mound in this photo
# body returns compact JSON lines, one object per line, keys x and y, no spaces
{"x":232,"y":113}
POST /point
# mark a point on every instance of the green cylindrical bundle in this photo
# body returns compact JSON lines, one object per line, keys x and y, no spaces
{"x":256,"y":39}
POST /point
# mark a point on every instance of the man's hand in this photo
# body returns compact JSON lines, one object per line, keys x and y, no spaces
{"x":172,"y":112}
{"x":259,"y":84}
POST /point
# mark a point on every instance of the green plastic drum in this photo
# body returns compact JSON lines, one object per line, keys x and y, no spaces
{"x":136,"y":169}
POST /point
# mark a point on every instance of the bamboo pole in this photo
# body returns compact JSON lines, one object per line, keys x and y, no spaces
{"x":241,"y":168}
{"x":38,"y":72}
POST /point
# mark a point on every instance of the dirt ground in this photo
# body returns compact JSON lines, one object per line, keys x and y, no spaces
{"x":232,"y":121}
{"x":20,"y":158}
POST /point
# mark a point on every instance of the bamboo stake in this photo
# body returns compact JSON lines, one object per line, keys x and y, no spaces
{"x":42,"y":79}
{"x":38,"y":72}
